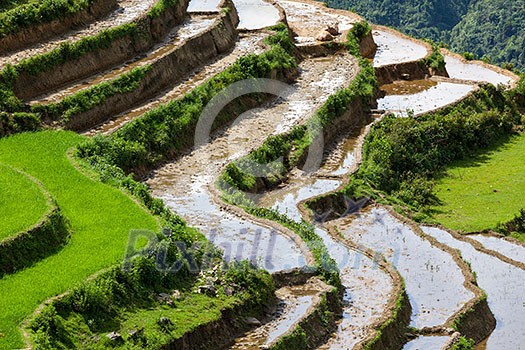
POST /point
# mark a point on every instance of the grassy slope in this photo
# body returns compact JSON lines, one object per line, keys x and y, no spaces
{"x":22,"y":203}
{"x":101,"y":218}
{"x":470,"y":202}
{"x":188,"y":313}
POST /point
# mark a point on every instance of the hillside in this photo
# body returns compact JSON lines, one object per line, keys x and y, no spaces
{"x":493,"y":29}
{"x":247,"y":174}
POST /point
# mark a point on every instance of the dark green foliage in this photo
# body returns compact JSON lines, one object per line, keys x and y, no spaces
{"x":255,"y":282}
{"x":516,"y":225}
{"x":402,"y":156}
{"x":487,"y":28}
{"x":12,"y":123}
{"x":494,"y":29}
{"x":295,"y":340}
{"x":98,"y":303}
{"x":464,"y":344}
{"x":6,"y":5}
{"x":170,"y":128}
{"x":160,"y":7}
{"x":281,"y":38}
{"x":356,"y":34}
{"x":436,"y":60}
{"x":36,"y":12}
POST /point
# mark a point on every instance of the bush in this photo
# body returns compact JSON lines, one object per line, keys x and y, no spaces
{"x":516,"y":225}
{"x":36,"y":12}
{"x":464,"y":344}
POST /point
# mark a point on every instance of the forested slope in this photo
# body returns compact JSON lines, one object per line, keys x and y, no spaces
{"x":487,"y":28}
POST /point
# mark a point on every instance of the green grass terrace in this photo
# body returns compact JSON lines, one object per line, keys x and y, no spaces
{"x":100,"y":216}
{"x":480,"y":192}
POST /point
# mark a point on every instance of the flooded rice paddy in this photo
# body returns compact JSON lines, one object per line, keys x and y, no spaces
{"x":434,"y":282}
{"x":503,"y":284}
{"x":392,"y":49}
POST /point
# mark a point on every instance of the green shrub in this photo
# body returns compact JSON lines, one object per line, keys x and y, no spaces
{"x":516,"y":225}
{"x":436,"y":60}
{"x":355,"y":35}
{"x":464,"y":344}
{"x":36,"y":12}
{"x":469,"y":56}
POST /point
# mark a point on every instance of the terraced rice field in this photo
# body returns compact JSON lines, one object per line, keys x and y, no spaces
{"x":389,"y":270}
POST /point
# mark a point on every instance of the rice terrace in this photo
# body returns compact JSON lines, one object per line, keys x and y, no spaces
{"x":254,"y":174}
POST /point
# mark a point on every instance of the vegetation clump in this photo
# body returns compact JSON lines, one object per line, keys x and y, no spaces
{"x":403,"y":156}
{"x":35,"y":12}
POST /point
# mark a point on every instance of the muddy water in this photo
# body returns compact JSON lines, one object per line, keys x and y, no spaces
{"x":256,"y":14}
{"x":393,"y":49}
{"x":503,"y":284}
{"x":308,"y":19}
{"x":185,"y":183}
{"x":427,"y":343}
{"x":246,"y":44}
{"x":511,"y":250}
{"x":474,"y":72}
{"x":367,"y":288}
{"x":405,"y":87}
{"x":433,"y":280}
{"x":127,"y":11}
{"x":193,"y":26}
{"x":427,"y":100}
{"x":293,"y":304}
{"x":204,"y":6}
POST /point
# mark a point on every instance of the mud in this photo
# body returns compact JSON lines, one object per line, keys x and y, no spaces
{"x":293,"y":304}
{"x":308,"y":18}
{"x":427,"y":100}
